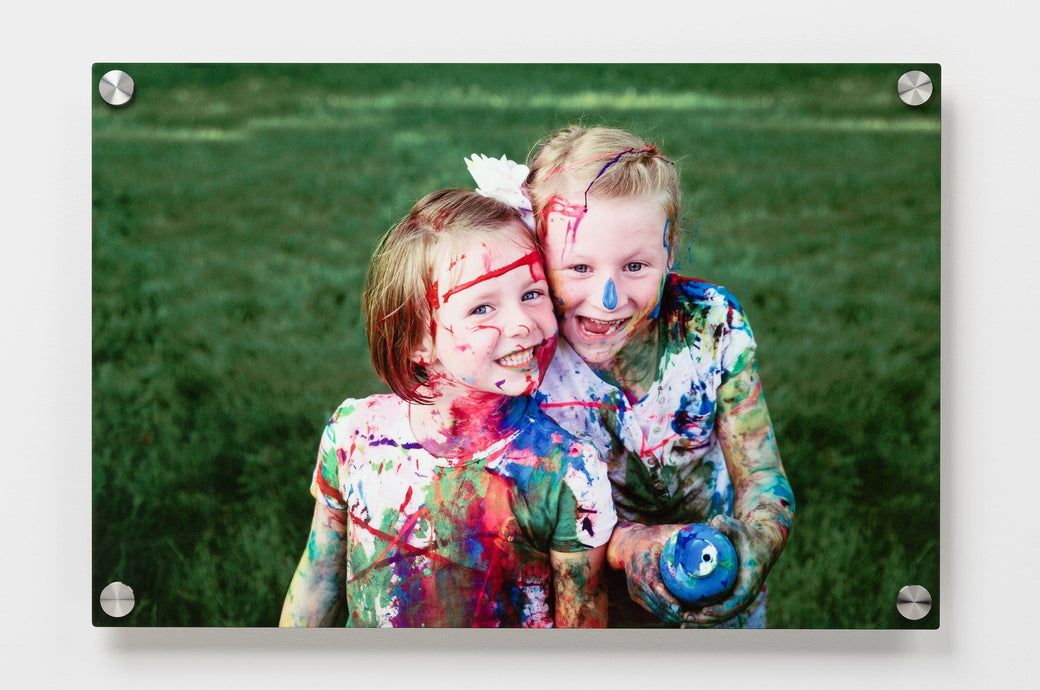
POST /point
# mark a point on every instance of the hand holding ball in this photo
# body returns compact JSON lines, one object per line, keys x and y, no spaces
{"x":698,"y":564}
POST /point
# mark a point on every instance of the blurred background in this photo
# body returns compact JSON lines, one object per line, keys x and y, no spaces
{"x":235,"y":208}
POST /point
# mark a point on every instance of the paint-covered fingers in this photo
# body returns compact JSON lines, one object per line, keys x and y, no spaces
{"x":665,"y":605}
{"x":754,"y":548}
{"x":648,"y":590}
{"x":638,"y":551}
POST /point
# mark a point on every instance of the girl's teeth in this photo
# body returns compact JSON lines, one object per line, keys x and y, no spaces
{"x":597,"y":327}
{"x":517,"y":358}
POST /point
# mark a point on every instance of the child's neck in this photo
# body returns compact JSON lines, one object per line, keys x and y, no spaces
{"x":461,"y":423}
{"x":634,"y":368}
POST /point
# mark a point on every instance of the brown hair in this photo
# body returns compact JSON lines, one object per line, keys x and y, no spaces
{"x":395,"y":301}
{"x":602,"y":162}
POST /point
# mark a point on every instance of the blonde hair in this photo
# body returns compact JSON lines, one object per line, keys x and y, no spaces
{"x":602,"y":162}
{"x":396,"y":301}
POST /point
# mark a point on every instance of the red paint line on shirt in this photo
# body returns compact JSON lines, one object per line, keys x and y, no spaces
{"x":580,"y":403}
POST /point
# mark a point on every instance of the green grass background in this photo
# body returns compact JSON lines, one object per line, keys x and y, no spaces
{"x":235,"y":208}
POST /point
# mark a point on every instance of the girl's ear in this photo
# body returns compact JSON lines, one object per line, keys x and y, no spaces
{"x":672,"y":249}
{"x":423,"y":353}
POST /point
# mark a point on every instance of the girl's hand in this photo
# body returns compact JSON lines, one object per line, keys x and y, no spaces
{"x":636,"y":549}
{"x":755,"y":547}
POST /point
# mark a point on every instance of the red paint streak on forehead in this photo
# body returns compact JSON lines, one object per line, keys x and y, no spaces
{"x":433,"y":288}
{"x":572,"y":212}
{"x":530,"y":259}
{"x":488,"y":256}
{"x":558,"y":204}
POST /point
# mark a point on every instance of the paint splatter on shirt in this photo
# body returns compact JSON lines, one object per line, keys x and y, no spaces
{"x":462,"y":542}
{"x":663,"y":455}
{"x":664,"y":459}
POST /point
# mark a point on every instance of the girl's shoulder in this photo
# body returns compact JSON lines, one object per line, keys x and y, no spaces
{"x":375,"y":409}
{"x":359,"y":427}
{"x":549,"y":444}
{"x":706,"y":320}
{"x":567,"y":462}
{"x":691,"y":306}
{"x":694,"y":292}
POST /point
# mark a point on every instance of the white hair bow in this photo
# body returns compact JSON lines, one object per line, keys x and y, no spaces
{"x":503,"y":180}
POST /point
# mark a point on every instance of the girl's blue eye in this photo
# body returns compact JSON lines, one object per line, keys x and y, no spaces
{"x":580,"y":268}
{"x":634,"y":267}
{"x":531,"y":294}
{"x":481,"y":310}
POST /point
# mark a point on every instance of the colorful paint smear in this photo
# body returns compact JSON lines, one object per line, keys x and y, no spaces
{"x":572,"y":213}
{"x":665,"y":459}
{"x":609,"y":295}
{"x":460,"y":542}
{"x":532,"y":260}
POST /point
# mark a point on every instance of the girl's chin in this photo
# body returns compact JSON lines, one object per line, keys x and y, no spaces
{"x":597,"y":352}
{"x":601,"y":349}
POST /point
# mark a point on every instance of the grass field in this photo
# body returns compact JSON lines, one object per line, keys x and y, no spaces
{"x":234,"y":212}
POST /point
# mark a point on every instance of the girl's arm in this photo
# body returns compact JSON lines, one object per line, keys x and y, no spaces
{"x":581,"y":589}
{"x":763,"y":504}
{"x":317,"y":591}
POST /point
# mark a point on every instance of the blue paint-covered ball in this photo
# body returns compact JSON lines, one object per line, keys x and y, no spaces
{"x":698,"y":564}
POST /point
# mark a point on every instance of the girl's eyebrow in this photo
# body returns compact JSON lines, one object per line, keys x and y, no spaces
{"x":531,"y":259}
{"x":640,"y":254}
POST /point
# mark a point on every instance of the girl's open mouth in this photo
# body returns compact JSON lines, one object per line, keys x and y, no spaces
{"x":519,"y":359}
{"x":594,"y":328}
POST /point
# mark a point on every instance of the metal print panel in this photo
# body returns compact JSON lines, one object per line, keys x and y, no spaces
{"x":693,"y":310}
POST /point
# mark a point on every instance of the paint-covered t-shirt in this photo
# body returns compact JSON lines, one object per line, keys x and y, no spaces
{"x":460,"y":542}
{"x":665,"y":462}
{"x":663,"y":455}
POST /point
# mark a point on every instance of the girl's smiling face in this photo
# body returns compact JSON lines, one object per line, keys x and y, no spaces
{"x":607,"y":265}
{"x":493,"y":322}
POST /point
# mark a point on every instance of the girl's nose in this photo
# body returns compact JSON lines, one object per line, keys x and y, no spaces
{"x":609,"y":295}
{"x":520,"y":323}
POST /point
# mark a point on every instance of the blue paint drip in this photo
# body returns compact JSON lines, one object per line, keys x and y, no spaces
{"x":668,"y":249}
{"x":668,"y":253}
{"x":651,"y":149}
{"x":609,"y":294}
{"x":600,"y":174}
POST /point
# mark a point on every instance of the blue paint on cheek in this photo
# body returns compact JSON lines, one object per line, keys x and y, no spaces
{"x":664,"y":241}
{"x":609,"y":294}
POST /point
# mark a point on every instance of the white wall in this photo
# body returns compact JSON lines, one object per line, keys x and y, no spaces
{"x":990,"y":230}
